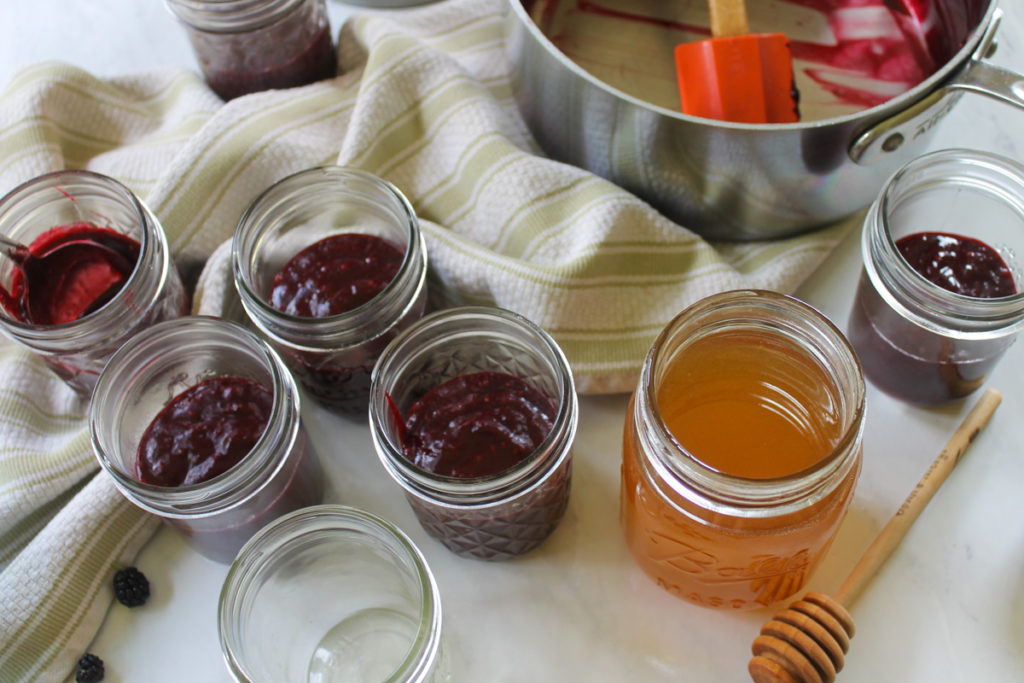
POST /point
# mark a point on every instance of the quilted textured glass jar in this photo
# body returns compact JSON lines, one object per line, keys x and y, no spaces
{"x":501,"y":515}
{"x":331,"y":355}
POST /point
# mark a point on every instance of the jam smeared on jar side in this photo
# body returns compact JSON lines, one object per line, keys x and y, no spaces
{"x":335,"y":275}
{"x":77,"y":269}
{"x":203,"y":432}
{"x":317,"y":62}
{"x":959,"y":264}
{"x":476,"y":425}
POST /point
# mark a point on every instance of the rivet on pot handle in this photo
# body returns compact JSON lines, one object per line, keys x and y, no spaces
{"x":976,"y":76}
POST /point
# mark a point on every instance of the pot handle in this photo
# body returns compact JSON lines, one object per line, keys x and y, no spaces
{"x":977,"y":76}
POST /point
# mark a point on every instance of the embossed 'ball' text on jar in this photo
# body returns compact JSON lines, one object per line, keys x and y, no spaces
{"x":494,"y":388}
{"x":330,"y":266}
{"x":245,"y":46}
{"x":105,"y":272}
{"x":741,"y":449}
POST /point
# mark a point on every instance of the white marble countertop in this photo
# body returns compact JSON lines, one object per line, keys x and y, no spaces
{"x":948,"y":605}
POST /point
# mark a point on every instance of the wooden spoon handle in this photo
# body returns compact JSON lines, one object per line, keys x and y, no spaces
{"x":728,"y":18}
{"x":890,"y":536}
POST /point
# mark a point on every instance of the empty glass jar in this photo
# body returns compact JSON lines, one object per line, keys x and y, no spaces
{"x":331,"y":593}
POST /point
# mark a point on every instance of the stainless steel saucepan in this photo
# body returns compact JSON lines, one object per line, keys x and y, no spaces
{"x":732,"y":181}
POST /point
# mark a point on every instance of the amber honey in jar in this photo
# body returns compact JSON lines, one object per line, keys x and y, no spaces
{"x":741,"y":449}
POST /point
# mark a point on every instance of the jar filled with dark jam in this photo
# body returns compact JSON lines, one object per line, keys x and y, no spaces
{"x":245,"y":46}
{"x":330,"y":266}
{"x":473,"y":411}
{"x":940,"y":297}
{"x":197,"y":421}
{"x":88,"y":269}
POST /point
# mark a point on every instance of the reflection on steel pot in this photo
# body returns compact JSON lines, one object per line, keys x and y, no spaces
{"x":731,"y":181}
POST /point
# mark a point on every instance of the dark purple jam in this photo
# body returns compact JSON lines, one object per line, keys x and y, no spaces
{"x":476,"y":425}
{"x":959,"y":264}
{"x":333,"y":276}
{"x":480,"y":425}
{"x":913,"y":364}
{"x":70,"y":271}
{"x":316,"y":62}
{"x":203,"y":432}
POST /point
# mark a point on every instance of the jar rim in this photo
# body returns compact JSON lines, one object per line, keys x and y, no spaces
{"x":150,"y":234}
{"x":278,"y":537}
{"x":935,"y":308}
{"x":742,"y":496}
{"x":231,"y":487}
{"x":469,"y":492}
{"x":293,"y":188}
{"x":230,"y":16}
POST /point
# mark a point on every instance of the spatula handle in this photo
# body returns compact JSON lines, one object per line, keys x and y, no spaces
{"x":728,"y":18}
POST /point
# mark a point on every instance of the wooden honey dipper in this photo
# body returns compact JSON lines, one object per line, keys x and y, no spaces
{"x":806,"y":642}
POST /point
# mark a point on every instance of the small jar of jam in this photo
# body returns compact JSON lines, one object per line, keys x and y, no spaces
{"x":741,"y":449}
{"x":473,"y":411}
{"x":941,"y":294}
{"x":330,"y":265}
{"x":246,"y":46}
{"x":95,"y":270}
{"x":332,"y":593}
{"x":197,"y":422}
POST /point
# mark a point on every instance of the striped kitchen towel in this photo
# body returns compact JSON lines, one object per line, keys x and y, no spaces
{"x":422,"y":99}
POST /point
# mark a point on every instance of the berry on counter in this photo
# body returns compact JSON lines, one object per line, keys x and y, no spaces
{"x":90,"y":669}
{"x":131,"y":587}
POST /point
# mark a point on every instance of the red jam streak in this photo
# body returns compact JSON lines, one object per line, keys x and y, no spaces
{"x":476,"y":425}
{"x":907,"y":362}
{"x":203,"y":432}
{"x":878,"y":48}
{"x":77,"y":279}
{"x":959,"y":264}
{"x":335,"y":275}
{"x":317,"y":62}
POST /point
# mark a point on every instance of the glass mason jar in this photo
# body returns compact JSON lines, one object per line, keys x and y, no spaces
{"x":331,"y":593}
{"x":217,"y":516}
{"x":90,"y":206}
{"x":917,"y":341}
{"x":491,"y":517}
{"x":246,"y":46}
{"x":746,"y":529}
{"x":333,"y":356}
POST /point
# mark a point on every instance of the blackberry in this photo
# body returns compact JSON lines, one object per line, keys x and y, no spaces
{"x":131,"y":587}
{"x":90,"y":669}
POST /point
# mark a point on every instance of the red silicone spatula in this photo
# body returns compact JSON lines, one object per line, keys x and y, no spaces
{"x":735,"y":75}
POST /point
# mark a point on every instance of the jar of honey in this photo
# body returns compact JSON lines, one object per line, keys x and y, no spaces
{"x":741,"y":449}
